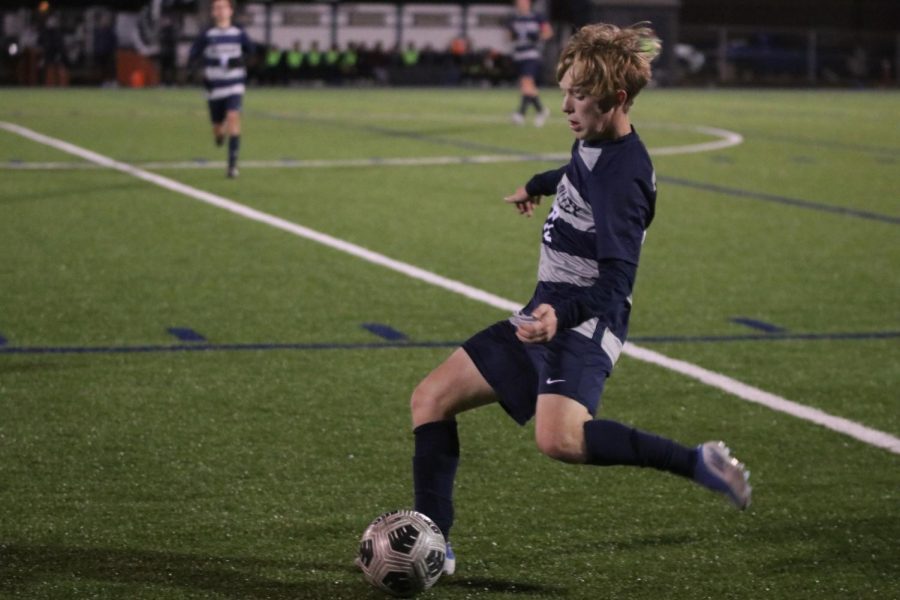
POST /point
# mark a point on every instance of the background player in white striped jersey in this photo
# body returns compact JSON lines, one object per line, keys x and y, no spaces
{"x":528,"y":30}
{"x":550,"y":361}
{"x":223,"y":50}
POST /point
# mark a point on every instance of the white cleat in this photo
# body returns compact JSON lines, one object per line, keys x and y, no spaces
{"x":542,"y":117}
{"x":449,"y":561}
{"x":517,"y":118}
{"x":719,"y":471}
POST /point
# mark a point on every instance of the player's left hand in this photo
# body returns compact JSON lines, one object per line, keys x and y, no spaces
{"x":523,"y":202}
{"x":542,"y":329}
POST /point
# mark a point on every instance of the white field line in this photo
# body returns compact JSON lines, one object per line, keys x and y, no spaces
{"x":301,"y":164}
{"x":727,"y":384}
{"x":726,"y":139}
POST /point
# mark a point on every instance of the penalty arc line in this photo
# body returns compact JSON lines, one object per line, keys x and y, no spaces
{"x":713,"y":379}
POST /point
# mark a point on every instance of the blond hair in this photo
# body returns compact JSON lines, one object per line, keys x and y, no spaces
{"x":607,"y":58}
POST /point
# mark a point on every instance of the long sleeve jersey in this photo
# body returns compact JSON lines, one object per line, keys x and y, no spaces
{"x":591,"y":241}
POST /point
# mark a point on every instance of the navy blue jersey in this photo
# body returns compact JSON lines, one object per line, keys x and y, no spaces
{"x":591,"y":240}
{"x":526,"y":35}
{"x":223,"y":51}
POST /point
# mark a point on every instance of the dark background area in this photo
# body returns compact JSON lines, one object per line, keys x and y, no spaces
{"x":837,"y":43}
{"x":869,"y":15}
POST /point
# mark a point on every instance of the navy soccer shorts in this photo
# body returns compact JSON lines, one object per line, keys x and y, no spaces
{"x":220,"y":106}
{"x":570,"y":365}
{"x":529,"y":68}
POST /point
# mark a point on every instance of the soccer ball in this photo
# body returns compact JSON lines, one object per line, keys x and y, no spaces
{"x":402,"y":553}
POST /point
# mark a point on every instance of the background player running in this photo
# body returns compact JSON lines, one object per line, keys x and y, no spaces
{"x":527,"y":30}
{"x":223,"y":49}
{"x":551,"y":360}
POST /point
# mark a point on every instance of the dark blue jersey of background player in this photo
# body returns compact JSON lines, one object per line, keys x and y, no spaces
{"x":222,"y":50}
{"x":527,"y":31}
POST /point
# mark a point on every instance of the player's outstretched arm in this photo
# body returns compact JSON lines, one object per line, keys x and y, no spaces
{"x":523,"y":201}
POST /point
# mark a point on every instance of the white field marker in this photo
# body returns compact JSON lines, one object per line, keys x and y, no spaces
{"x":727,"y":384}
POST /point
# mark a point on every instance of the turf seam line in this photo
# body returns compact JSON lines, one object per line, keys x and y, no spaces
{"x":713,"y":379}
{"x":785,"y":200}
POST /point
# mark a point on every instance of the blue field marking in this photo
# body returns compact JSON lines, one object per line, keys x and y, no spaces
{"x":218,"y":347}
{"x":797,"y":202}
{"x":768,"y":337}
{"x":756,"y":324}
{"x":408,"y":344}
{"x":384,"y":331}
{"x":186,"y":334}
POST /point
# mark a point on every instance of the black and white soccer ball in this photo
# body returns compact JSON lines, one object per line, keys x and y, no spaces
{"x":402,"y":552}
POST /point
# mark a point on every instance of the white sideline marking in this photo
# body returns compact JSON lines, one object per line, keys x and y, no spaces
{"x":300,"y":163}
{"x":753,"y":394}
{"x":731,"y":386}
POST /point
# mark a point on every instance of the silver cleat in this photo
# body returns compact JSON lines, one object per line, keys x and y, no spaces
{"x":719,"y":471}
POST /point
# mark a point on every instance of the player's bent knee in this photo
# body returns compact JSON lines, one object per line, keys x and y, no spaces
{"x":425,"y":403}
{"x":560,"y":446}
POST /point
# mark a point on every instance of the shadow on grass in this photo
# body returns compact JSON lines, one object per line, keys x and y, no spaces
{"x":485,"y":584}
{"x":22,"y":567}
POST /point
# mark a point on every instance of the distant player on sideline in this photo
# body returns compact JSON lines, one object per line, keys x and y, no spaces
{"x":528,"y":29}
{"x":223,"y":49}
{"x":551,"y":360}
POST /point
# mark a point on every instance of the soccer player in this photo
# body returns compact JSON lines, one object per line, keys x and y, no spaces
{"x":223,"y":48}
{"x":551,"y":359}
{"x":528,"y":29}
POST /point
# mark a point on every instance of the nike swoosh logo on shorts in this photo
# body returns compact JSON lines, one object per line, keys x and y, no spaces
{"x":552,"y":381}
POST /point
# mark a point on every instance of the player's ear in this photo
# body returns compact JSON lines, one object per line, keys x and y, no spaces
{"x":609,"y":102}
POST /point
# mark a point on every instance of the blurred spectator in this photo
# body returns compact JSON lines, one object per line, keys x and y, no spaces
{"x":105,"y":46}
{"x":312,"y":63}
{"x":53,"y":50}
{"x":332,"y":64}
{"x":274,"y":71}
{"x":378,"y":62}
{"x":293,"y":59}
{"x":168,"y":43}
{"x":349,"y":62}
{"x":858,"y":66}
{"x":29,"y":64}
{"x":887,"y":73}
{"x":410,"y":56}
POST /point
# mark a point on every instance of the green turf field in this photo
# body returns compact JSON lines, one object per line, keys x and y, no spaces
{"x":134,"y":464}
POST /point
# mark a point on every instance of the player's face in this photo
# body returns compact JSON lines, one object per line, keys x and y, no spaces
{"x":222,"y":12}
{"x":590,"y":118}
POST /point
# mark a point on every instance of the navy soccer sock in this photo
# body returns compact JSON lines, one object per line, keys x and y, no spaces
{"x":434,"y":469}
{"x":609,"y":443}
{"x":234,"y":146}
{"x":536,"y":101}
{"x":523,"y":104}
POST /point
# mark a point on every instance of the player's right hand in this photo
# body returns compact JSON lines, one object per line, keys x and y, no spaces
{"x":523,"y":202}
